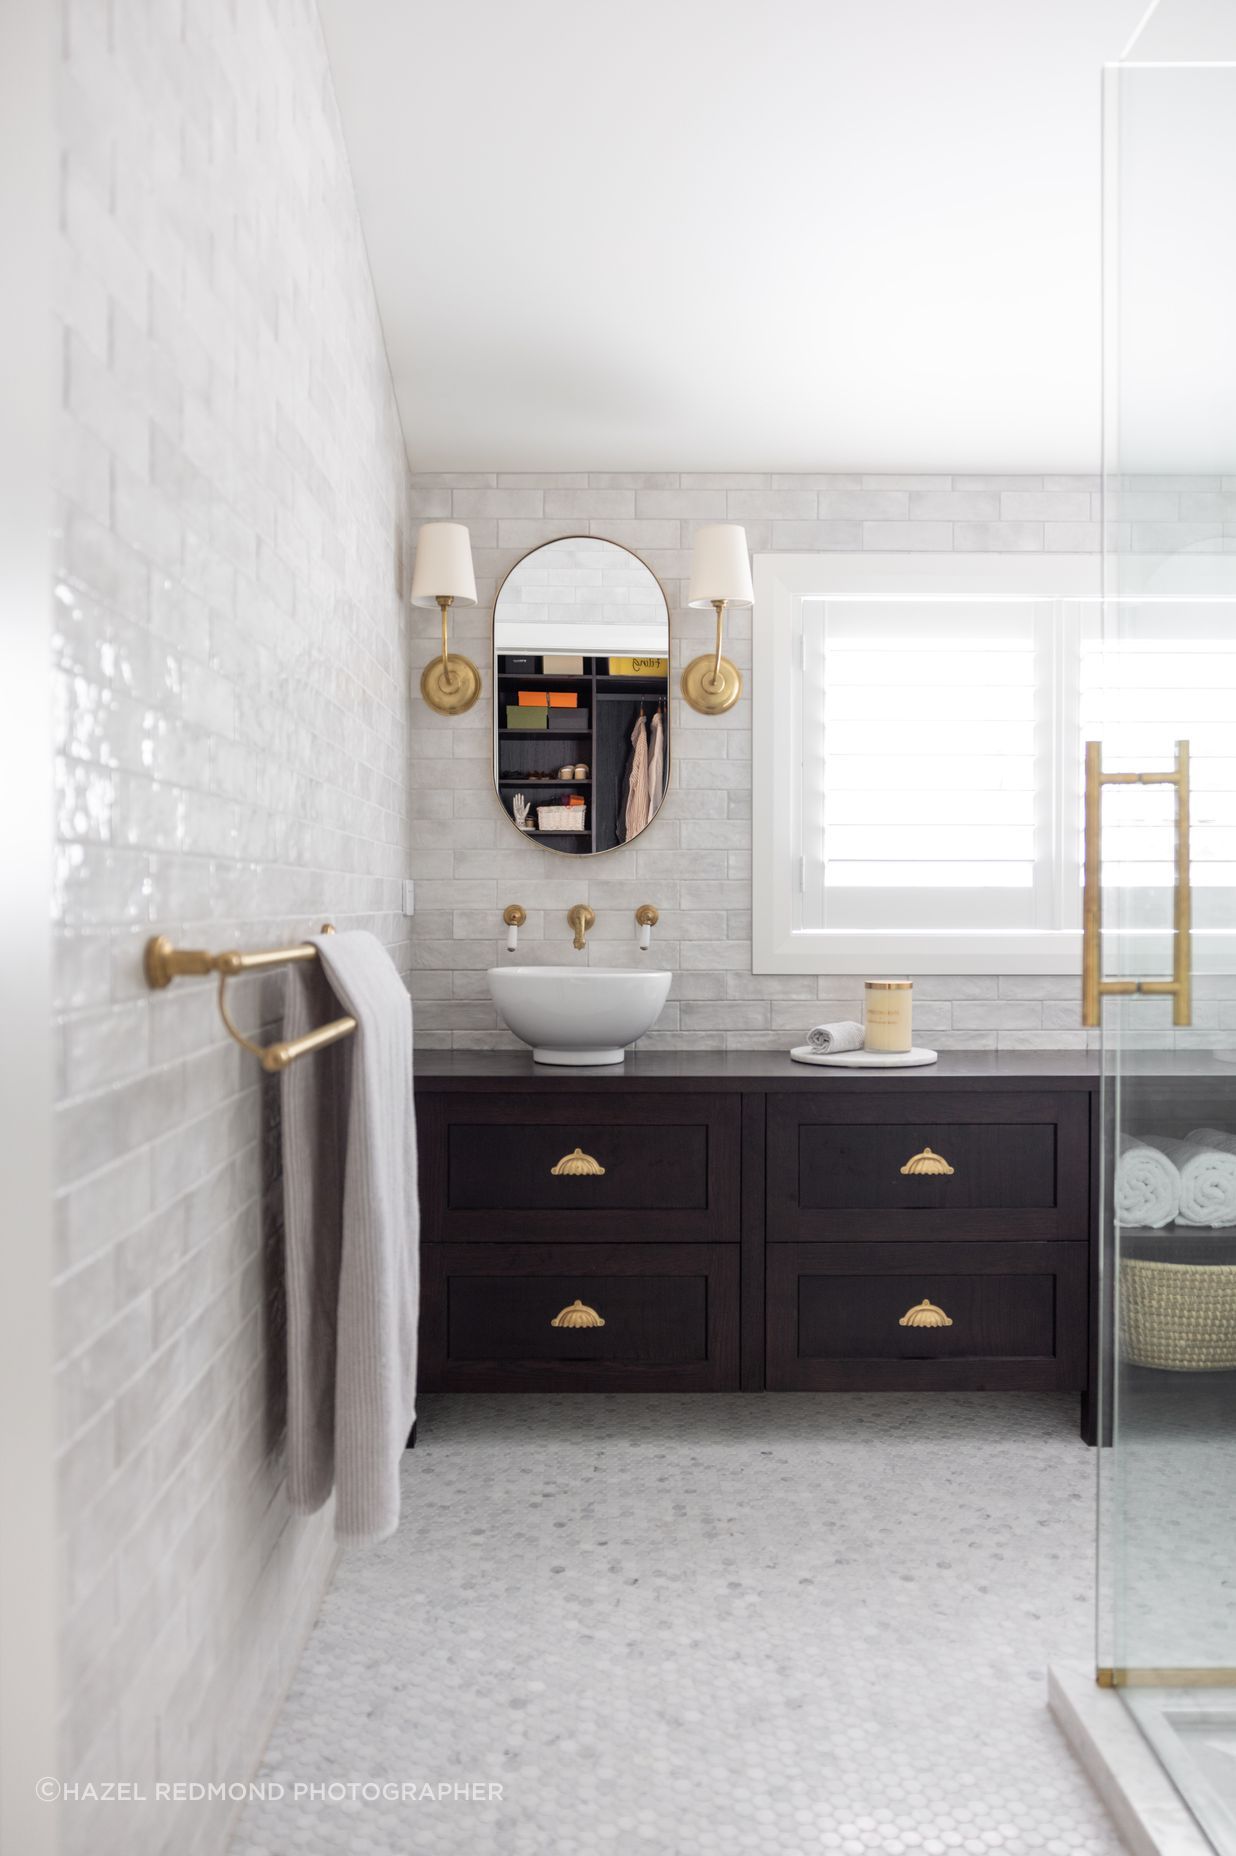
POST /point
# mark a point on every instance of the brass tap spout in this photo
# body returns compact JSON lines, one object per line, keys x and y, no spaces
{"x":581,"y":918}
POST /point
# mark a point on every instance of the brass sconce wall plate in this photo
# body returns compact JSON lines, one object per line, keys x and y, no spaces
{"x":450,"y":685}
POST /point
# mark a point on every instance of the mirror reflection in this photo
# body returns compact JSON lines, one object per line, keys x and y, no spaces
{"x":581,"y":680}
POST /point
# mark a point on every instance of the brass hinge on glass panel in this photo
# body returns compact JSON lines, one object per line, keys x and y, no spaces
{"x":1094,"y":987}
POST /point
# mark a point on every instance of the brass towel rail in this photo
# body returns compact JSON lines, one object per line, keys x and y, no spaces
{"x":164,"y":963}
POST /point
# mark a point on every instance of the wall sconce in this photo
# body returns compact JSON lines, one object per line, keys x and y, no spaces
{"x":442,"y":575}
{"x":720,"y":576}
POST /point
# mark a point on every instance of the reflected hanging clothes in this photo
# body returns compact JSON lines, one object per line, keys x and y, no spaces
{"x":656,"y":766}
{"x":636,"y":812}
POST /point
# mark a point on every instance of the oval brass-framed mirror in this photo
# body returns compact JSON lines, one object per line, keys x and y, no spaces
{"x":581,"y":657}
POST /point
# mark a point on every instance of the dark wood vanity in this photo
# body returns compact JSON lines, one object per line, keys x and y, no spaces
{"x":738,"y":1221}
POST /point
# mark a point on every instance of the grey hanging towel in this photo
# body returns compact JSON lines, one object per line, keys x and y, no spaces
{"x":352,"y":1235}
{"x":636,"y":816}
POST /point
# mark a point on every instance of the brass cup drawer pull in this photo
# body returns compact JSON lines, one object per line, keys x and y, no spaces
{"x":577,"y":1163}
{"x":927,"y":1162}
{"x":925,"y":1314}
{"x":578,"y":1315}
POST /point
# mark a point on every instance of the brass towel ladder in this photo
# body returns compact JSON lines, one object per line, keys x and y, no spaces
{"x":1094,"y":987}
{"x":164,"y":963}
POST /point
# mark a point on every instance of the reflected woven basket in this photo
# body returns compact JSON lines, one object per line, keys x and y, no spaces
{"x":561,"y":818}
{"x":1179,"y":1317}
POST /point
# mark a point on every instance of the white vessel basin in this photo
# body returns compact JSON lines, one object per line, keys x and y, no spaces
{"x":578,"y":1014}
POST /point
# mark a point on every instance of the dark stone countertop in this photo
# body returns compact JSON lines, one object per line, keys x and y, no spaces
{"x":769,"y":1071}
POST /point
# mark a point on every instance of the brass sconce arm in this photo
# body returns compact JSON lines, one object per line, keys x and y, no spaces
{"x":445,"y":602}
{"x":716,"y":684}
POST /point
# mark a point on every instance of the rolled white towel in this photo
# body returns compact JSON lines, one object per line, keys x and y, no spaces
{"x":844,"y":1036}
{"x":1147,"y":1182}
{"x":1208,"y":1178}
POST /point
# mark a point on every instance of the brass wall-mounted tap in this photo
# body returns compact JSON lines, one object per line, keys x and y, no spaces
{"x":514,"y":917}
{"x":646,"y":919}
{"x":581,"y":918}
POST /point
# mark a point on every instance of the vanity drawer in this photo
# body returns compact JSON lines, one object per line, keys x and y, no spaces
{"x":1008,"y":1316}
{"x":580,"y":1166}
{"x":874,"y":1167}
{"x":651,"y":1318}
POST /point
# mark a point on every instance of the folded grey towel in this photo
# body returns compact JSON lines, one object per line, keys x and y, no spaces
{"x":351,"y":1220}
{"x":844,"y":1036}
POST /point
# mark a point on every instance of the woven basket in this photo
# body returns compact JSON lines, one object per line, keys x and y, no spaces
{"x":1180,"y":1317}
{"x":561,"y":818}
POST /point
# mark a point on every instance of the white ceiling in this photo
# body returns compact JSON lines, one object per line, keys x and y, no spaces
{"x":734,"y":234}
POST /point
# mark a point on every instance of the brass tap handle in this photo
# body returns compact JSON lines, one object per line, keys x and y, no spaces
{"x":925,"y":1314}
{"x":647,"y":916}
{"x":578,"y":1315}
{"x":514,"y":916}
{"x":581,"y":919}
{"x":927,"y":1162}
{"x":577,"y":1164}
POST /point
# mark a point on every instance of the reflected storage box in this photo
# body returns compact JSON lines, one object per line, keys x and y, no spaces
{"x":563,"y":666}
{"x":519,"y":666}
{"x":530,"y":719}
{"x":639,"y":666}
{"x":568,"y":721}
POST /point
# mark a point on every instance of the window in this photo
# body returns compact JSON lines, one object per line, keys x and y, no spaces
{"x":919,"y":730}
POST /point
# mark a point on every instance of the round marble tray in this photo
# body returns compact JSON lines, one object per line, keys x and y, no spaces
{"x":864,"y":1059}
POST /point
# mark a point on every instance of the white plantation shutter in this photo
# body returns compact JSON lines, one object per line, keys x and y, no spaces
{"x":916,"y":740}
{"x":928,"y":763}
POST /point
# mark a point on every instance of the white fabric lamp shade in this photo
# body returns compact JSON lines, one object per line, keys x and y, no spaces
{"x":720,"y":566}
{"x":443,"y":568}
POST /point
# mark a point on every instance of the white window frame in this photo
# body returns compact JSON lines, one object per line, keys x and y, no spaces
{"x":784,"y":583}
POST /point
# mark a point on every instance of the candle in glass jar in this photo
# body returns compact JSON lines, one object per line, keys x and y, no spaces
{"x":887,"y":1014}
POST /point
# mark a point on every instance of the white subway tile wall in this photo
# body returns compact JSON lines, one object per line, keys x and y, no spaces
{"x":231,"y":670}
